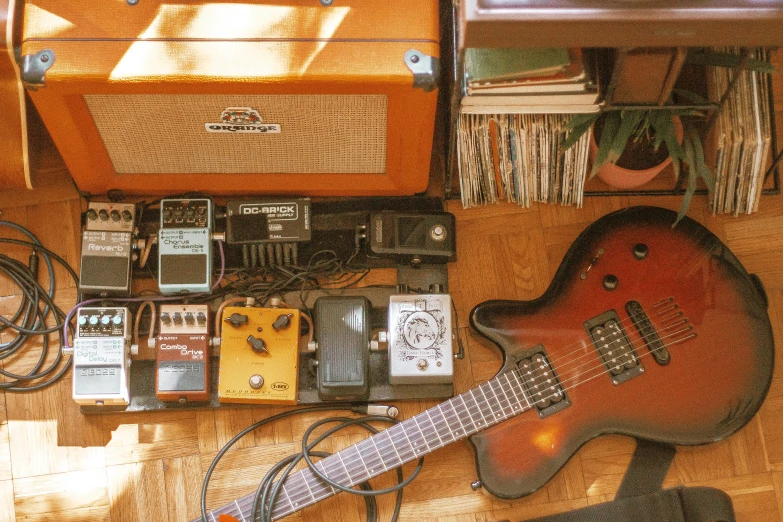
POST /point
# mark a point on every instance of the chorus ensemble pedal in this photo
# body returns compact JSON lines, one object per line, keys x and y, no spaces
{"x":185,"y":246}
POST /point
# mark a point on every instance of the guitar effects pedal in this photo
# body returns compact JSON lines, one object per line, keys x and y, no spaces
{"x":259,"y":355}
{"x":101,"y":359}
{"x":419,"y":337}
{"x":182,"y":367}
{"x":107,"y":242}
{"x":185,"y":246}
{"x":342,"y":332}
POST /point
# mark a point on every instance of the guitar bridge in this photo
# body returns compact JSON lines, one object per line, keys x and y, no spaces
{"x":614,"y":347}
{"x":541,"y":384}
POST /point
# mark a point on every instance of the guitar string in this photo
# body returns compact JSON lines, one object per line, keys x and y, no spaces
{"x":504,"y":402}
{"x":436,"y":424}
{"x":479,"y":402}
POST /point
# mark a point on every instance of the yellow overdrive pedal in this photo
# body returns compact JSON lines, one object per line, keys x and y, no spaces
{"x":259,"y":355}
{"x":183,"y":354}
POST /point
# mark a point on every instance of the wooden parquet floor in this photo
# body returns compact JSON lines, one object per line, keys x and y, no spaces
{"x":59,"y":465}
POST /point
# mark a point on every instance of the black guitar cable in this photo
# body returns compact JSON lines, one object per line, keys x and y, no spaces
{"x":36,"y":307}
{"x":270,"y":485}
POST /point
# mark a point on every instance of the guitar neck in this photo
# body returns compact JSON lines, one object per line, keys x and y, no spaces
{"x":459,"y":417}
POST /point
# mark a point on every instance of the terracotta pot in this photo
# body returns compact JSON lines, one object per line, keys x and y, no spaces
{"x":622,"y":178}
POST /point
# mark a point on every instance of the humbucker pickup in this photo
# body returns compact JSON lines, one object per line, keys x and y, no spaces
{"x":613,"y":346}
{"x":651,"y":338}
{"x":541,"y":383}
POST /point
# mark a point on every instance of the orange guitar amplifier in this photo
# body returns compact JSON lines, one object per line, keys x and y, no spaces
{"x":315,"y":97}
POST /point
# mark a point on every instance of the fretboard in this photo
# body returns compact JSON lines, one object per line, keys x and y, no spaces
{"x":457,"y":418}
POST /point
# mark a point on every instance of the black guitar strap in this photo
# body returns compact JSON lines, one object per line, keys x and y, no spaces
{"x":640,"y":498}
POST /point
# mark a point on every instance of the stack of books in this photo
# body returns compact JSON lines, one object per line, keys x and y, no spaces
{"x":529,"y":81}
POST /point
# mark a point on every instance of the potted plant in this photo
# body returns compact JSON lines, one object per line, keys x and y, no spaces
{"x":632,"y":145}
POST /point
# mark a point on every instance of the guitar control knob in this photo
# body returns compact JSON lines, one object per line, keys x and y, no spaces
{"x":256,"y":381}
{"x":258,"y":345}
{"x":640,"y":251}
{"x":610,"y":282}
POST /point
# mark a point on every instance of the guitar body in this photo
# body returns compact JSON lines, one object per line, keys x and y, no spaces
{"x":720,"y":347}
{"x":14,"y":165}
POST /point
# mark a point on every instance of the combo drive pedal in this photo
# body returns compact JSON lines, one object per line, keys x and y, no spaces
{"x":183,"y":354}
{"x":101,"y":360}
{"x":259,"y":355}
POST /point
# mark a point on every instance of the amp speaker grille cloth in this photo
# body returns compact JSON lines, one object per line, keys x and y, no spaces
{"x":165,"y":134}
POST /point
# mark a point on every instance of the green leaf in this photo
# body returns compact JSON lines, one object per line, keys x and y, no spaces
{"x":690,"y":190}
{"x":661,"y":121}
{"x":629,"y":120}
{"x":701,"y":166}
{"x":608,"y":132}
{"x":576,"y":127}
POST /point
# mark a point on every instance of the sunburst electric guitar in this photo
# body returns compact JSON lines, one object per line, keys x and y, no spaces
{"x":646,"y":330}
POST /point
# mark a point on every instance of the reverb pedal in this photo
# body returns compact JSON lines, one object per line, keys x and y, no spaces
{"x":185,"y":246}
{"x":182,"y":366}
{"x":101,"y":359}
{"x":419,"y":338}
{"x":259,"y":355}
{"x":107,"y":241}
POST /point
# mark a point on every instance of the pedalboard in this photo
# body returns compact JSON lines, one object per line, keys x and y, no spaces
{"x":420,"y":339}
{"x":185,"y":246}
{"x":101,"y":360}
{"x":424,"y":236}
{"x":259,"y":355}
{"x":107,"y":243}
{"x":182,"y":348}
{"x":342,"y":332}
{"x":269,"y":229}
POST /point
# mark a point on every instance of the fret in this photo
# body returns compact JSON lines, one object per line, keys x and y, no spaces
{"x":448,"y":436}
{"x":393,"y":446}
{"x":240,"y":511}
{"x":371,"y":459}
{"x":495,"y":408}
{"x":421,"y":433}
{"x":516,"y":405}
{"x":355,"y":449}
{"x":434,"y":428}
{"x":482,"y":421}
{"x":322,"y":468}
{"x":372,"y":439}
{"x":332,"y":470}
{"x":521,"y":387}
{"x":212,"y":514}
{"x":467,"y":410}
{"x":401,"y":427}
{"x":347,"y":473}
{"x":460,"y":431}
{"x":283,"y":490}
{"x":307,"y":484}
{"x":506,"y":407}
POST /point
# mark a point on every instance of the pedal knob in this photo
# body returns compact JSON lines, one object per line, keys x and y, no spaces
{"x":256,"y":381}
{"x":165,"y":318}
{"x":236,"y":320}
{"x":610,"y":282}
{"x":282,"y":322}
{"x":258,"y":345}
{"x":640,"y":251}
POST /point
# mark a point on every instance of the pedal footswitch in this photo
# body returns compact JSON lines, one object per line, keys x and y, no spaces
{"x":101,"y":360}
{"x":185,"y":246}
{"x":107,"y":241}
{"x":420,"y":342}
{"x":343,"y":331}
{"x":259,"y":355}
{"x":182,"y":366}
